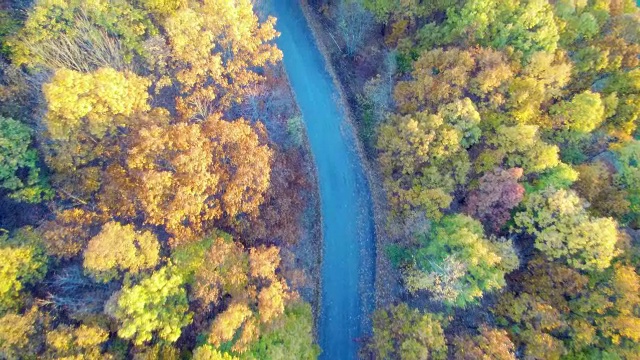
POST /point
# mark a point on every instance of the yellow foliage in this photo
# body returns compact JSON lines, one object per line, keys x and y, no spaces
{"x":82,"y":109}
{"x":120,"y":248}
{"x":217,"y":45}
{"x":264,"y":261}
{"x":271,"y":301}
{"x":228,"y":322}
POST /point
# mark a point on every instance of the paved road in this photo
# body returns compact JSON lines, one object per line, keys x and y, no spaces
{"x":348,"y":249}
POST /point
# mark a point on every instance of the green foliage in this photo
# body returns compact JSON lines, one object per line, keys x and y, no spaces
{"x":527,"y":26}
{"x":291,"y":334}
{"x":188,"y":258}
{"x":24,"y":263}
{"x":157,"y":306}
{"x":296,"y":131}
{"x":403,"y":333}
{"x":628,"y":177}
{"x":564,"y":230}
{"x":560,"y":176}
{"x":518,"y":146}
{"x":16,"y":155}
{"x":583,"y":113}
{"x":458,"y":264}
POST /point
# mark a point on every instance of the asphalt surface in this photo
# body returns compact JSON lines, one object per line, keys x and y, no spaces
{"x":348,"y":229}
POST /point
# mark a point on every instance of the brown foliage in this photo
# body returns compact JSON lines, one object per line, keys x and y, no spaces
{"x":595,"y":184}
{"x":186,"y":175}
{"x":67,"y":234}
{"x":489,"y":344}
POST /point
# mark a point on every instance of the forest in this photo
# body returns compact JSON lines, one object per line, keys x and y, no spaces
{"x":153,"y":176}
{"x":158,"y":198}
{"x":504,"y":138}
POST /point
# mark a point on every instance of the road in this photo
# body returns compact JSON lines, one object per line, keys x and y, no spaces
{"x":348,"y":230}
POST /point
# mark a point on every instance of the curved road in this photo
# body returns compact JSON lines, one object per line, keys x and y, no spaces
{"x":348,"y":247}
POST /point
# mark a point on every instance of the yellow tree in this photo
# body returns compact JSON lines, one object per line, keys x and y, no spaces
{"x":422,"y":159}
{"x":216,"y":47}
{"x":120,"y":248}
{"x":83,"y":111}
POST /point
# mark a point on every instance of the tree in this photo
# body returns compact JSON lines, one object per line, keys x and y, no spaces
{"x":16,"y":334}
{"x":422,"y":161}
{"x":526,"y":25}
{"x":292,"y":334}
{"x":185,"y":175}
{"x":497,"y":194}
{"x":163,"y":8}
{"x":226,"y":324}
{"x":439,"y":76}
{"x":489,"y":344}
{"x":457,"y":263}
{"x":583,"y":113}
{"x":83,"y":341}
{"x":16,"y":156}
{"x":463,"y":115}
{"x":224,"y":271}
{"x":24,"y":263}
{"x":208,"y":352}
{"x":518,"y":146}
{"x":628,"y":176}
{"x":240,"y":285}
{"x":80,"y":35}
{"x":555,"y":311}
{"x":354,"y":23}
{"x":119,"y":248}
{"x":595,"y":184}
{"x":216,"y":49}
{"x":564,"y":230}
{"x":542,"y":79}
{"x":84,"y":111}
{"x":66,"y":235}
{"x":403,"y":333}
{"x":157,"y":306}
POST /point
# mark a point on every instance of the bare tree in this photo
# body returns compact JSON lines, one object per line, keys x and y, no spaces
{"x":354,"y":23}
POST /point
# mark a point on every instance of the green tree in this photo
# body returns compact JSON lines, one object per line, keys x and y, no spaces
{"x":292,"y":334}
{"x":16,"y":155}
{"x":526,"y":25}
{"x":157,"y":306}
{"x":457,"y":263}
{"x":120,"y":248}
{"x":584,"y":113}
{"x":564,"y":230}
{"x":24,"y":263}
{"x":403,"y":333}
{"x":628,"y":176}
